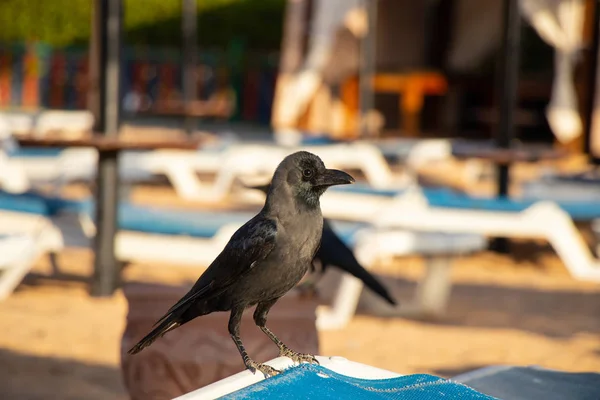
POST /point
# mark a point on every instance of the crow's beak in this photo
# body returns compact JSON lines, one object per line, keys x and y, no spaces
{"x":333,"y":177}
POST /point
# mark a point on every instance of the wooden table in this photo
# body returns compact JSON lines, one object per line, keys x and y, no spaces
{"x":504,"y":157}
{"x":106,"y":276}
{"x":106,"y":144}
{"x":412,"y":88}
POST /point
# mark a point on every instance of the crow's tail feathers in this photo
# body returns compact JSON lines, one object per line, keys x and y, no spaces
{"x":164,"y":327}
{"x":372,"y":283}
{"x":344,"y":259}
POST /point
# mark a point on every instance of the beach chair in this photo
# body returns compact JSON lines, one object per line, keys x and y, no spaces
{"x":181,"y":167}
{"x":337,"y":377}
{"x":457,"y":213}
{"x":155,"y":235}
{"x":333,"y":378}
{"x":256,"y":160}
{"x":17,"y":255}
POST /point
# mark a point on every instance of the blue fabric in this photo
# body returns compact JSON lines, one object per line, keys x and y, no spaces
{"x":147,"y":219}
{"x":23,"y":204}
{"x":315,"y":382}
{"x":317,"y":140}
{"x":578,"y":210}
{"x":524,"y":383}
{"x":35,"y":203}
{"x":32,"y":152}
{"x":172,"y":222}
{"x":131,"y":217}
{"x":447,"y":198}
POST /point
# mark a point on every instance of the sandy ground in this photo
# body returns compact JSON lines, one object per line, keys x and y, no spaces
{"x":59,"y":343}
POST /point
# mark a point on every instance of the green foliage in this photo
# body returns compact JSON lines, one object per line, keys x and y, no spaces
{"x":57,"y":22}
{"x":147,"y":22}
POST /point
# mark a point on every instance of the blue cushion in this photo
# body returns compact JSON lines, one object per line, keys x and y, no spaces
{"x":578,"y":210}
{"x":134,"y":218}
{"x":317,"y":140}
{"x":315,"y":382}
{"x":448,"y":198}
{"x":164,"y":221}
{"x":32,"y":152}
{"x":174,"y":222}
{"x":24,"y":205}
{"x":36,"y":203}
{"x":523,"y":383}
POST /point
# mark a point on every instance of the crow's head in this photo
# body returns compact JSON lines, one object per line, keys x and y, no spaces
{"x":306,"y":176}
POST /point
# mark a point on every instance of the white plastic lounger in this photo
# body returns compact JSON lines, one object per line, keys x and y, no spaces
{"x":337,"y":377}
{"x":411,"y":209}
{"x":17,"y":255}
{"x":334,"y":378}
{"x":195,"y":239}
{"x":182,"y":166}
{"x":239,"y":161}
{"x":246,"y":378}
{"x":231,"y":159}
{"x":543,"y":220}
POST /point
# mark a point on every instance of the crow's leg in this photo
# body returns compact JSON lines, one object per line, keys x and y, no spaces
{"x":260,"y":318}
{"x":235,"y":320}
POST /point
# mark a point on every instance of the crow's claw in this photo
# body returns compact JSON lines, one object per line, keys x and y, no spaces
{"x":267,"y":370}
{"x":298,"y":357}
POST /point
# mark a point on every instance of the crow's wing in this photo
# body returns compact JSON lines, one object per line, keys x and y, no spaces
{"x":250,"y":244}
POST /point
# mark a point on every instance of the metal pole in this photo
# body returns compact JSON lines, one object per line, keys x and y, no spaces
{"x":367,"y":65}
{"x":509,"y":80}
{"x":106,"y":269}
{"x":189,"y":35}
{"x":509,"y":71}
{"x":593,"y":85}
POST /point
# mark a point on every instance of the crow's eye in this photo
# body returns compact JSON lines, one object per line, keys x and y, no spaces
{"x":307,"y":173}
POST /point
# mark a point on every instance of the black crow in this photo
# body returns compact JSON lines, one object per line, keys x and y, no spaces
{"x":264,"y":258}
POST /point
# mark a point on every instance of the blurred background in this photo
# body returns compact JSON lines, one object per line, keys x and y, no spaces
{"x":131,"y":132}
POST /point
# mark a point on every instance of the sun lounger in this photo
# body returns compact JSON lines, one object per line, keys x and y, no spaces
{"x":337,"y":377}
{"x":154,"y":235}
{"x":538,"y":220}
{"x":17,"y":255}
{"x":334,"y":378}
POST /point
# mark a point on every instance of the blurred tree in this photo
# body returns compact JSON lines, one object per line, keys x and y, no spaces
{"x":147,"y":22}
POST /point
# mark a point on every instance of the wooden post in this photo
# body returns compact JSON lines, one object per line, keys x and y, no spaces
{"x":106,"y":268}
